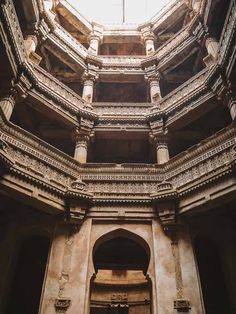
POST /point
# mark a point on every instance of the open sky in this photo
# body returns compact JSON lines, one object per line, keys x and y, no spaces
{"x":111,"y":11}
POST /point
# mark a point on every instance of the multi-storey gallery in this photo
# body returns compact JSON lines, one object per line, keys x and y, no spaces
{"x":117,"y":160}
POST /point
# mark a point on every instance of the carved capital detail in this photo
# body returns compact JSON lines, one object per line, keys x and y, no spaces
{"x":62,"y":305}
{"x":182,"y":305}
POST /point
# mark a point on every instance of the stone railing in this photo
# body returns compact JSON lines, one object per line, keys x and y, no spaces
{"x":121,"y":60}
{"x":209,"y":158}
{"x":122,"y":109}
{"x":52,"y":85}
{"x":166,"y":11}
{"x":36,"y":161}
{"x":185,"y":91}
{"x":74,"y":44}
{"x":172,"y":43}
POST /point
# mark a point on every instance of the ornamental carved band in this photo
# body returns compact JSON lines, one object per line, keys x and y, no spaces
{"x":182,"y":305}
{"x":62,"y":305}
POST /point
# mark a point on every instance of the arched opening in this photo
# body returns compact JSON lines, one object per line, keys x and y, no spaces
{"x":120,"y":285}
{"x":28,"y":280}
{"x":211,"y":276}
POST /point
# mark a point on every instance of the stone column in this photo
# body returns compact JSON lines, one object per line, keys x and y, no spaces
{"x":196,"y":4}
{"x":81,"y":148}
{"x":88,"y":90}
{"x":148,"y":38}
{"x":7,"y":104}
{"x":162,"y":151}
{"x":155,"y":92}
{"x":149,"y":45}
{"x":48,"y":4}
{"x":94,"y":44}
{"x":31,"y":42}
{"x":212,"y":47}
{"x":232,"y":108}
{"x":66,"y":281}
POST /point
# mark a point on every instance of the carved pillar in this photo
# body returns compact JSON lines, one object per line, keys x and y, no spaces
{"x":48,"y":5}
{"x":7,"y":104}
{"x":212,"y":47}
{"x":232,"y":108}
{"x":162,"y":150}
{"x":155,"y":92}
{"x":181,"y":304}
{"x":148,"y":38}
{"x":94,"y":44}
{"x":89,"y":77}
{"x":149,"y":45}
{"x":196,"y":5}
{"x":153,"y":78}
{"x":81,"y":137}
{"x":81,"y":148}
{"x":159,"y":138}
{"x":31,"y":43}
{"x":88,"y":89}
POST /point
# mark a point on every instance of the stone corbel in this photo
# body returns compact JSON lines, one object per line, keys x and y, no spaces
{"x":78,"y":199}
{"x":62,"y":305}
{"x":165,"y":199}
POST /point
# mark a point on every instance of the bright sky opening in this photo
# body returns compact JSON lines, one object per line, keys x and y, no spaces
{"x":114,"y":11}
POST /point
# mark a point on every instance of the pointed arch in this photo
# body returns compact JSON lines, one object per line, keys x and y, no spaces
{"x":121,"y":249}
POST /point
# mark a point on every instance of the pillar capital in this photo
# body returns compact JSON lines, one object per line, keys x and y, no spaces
{"x":89,"y":75}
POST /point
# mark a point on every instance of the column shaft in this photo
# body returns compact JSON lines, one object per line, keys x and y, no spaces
{"x":7,"y":104}
{"x":212,"y":47}
{"x":162,"y":153}
{"x":94,"y":45}
{"x":155,"y":92}
{"x":88,"y":90}
{"x":149,"y":45}
{"x":81,"y":148}
{"x":232,"y":108}
{"x":30,"y":44}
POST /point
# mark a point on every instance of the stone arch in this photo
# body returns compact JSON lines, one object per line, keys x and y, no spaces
{"x":121,"y":259}
{"x":121,"y":233}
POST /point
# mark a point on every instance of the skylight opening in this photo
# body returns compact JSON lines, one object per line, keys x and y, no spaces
{"x":119,"y":11}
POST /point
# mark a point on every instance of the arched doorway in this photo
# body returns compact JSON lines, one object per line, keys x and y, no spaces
{"x":120,"y":284}
{"x":28,"y":280}
{"x":211,"y":276}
